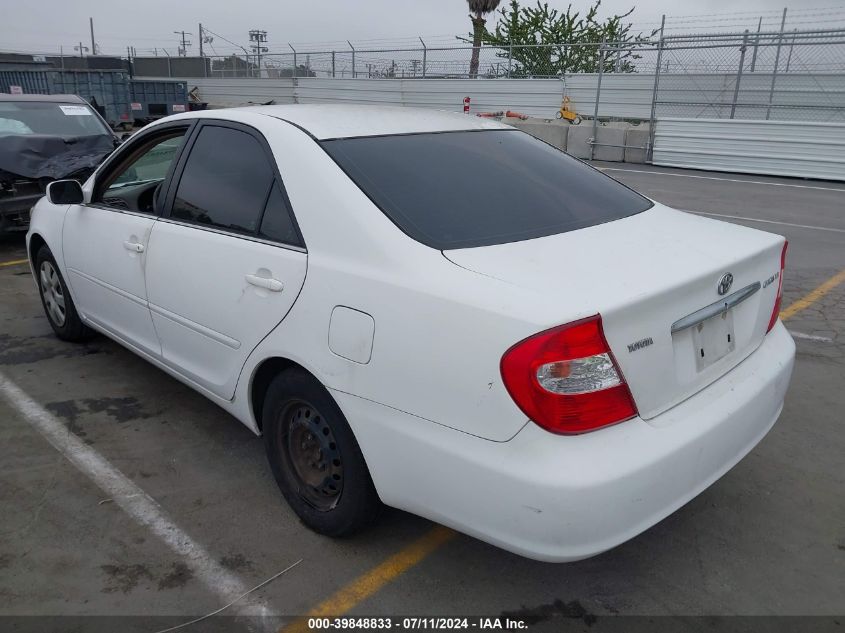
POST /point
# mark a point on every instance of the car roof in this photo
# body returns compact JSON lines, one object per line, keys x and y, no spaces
{"x":43,"y":98}
{"x":331,"y":121}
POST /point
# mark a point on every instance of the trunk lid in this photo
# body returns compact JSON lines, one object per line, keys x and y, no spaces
{"x":644,"y":274}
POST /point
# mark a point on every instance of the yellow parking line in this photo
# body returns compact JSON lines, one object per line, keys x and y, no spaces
{"x":14,"y":263}
{"x":372,"y":581}
{"x":369,"y":583}
{"x":814,"y":295}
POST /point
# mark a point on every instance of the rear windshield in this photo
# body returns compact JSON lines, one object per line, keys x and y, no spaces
{"x":464,"y":189}
{"x":54,"y":119}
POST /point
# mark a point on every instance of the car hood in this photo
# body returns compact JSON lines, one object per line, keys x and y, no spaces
{"x":36,"y":156}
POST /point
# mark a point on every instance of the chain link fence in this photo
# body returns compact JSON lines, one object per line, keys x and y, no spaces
{"x":782,"y":76}
{"x":452,"y":62}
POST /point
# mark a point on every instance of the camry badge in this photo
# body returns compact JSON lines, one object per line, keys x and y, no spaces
{"x":633,"y":347}
{"x":725,"y":283}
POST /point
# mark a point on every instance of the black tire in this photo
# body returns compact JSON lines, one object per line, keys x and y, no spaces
{"x":64,"y":319}
{"x":315,"y":457}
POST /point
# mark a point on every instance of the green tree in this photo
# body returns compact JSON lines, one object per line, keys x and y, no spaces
{"x":478,"y":9}
{"x":571,"y":41}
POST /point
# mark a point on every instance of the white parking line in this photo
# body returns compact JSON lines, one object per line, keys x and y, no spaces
{"x":810,"y":337}
{"x":748,"y":182}
{"x":132,"y":500}
{"x":739,"y":217}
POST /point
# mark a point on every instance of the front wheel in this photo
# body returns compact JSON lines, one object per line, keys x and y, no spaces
{"x":58,"y":305}
{"x":315,"y":457}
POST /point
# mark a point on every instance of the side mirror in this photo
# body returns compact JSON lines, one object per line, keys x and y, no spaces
{"x":65,"y":192}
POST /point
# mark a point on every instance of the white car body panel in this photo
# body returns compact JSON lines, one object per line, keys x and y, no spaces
{"x":565,"y":498}
{"x":408,"y":339}
{"x":658,"y":267}
{"x":108,"y":280}
{"x":207,"y":315}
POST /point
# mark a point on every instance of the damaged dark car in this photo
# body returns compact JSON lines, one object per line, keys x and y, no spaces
{"x":45,"y":138}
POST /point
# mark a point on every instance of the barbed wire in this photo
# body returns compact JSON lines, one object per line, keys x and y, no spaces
{"x":801,"y":17}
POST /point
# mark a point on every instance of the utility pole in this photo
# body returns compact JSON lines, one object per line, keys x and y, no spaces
{"x":183,"y":49}
{"x":93,"y":43}
{"x":259,"y":39}
{"x":204,"y":39}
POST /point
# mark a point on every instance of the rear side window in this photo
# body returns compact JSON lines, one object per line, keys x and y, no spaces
{"x":225,"y":182}
{"x":465,"y":189}
{"x":277,"y":225}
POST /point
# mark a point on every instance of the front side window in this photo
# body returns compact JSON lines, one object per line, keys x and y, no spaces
{"x":137,"y":179}
{"x":226,"y":181}
{"x":466,"y":189}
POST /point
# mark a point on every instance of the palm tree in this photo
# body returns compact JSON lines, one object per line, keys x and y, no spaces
{"x":478,"y":9}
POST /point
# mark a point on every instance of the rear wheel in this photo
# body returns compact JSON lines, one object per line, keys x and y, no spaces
{"x":58,"y":305}
{"x":315,"y":457}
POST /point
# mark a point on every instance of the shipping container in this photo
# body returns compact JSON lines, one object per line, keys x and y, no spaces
{"x":153,"y":99}
{"x":106,"y":90}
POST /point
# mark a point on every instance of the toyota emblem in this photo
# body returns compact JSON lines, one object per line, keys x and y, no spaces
{"x":725,"y":283}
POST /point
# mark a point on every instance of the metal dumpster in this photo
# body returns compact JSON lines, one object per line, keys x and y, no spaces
{"x":105,"y":90}
{"x":153,"y":99}
{"x":32,"y":82}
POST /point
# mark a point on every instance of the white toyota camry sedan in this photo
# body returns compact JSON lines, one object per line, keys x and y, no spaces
{"x":431,"y":311}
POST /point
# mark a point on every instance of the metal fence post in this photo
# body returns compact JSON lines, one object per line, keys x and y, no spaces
{"x":739,"y":71}
{"x":333,"y":66}
{"x":756,"y":44}
{"x":598,"y":97}
{"x":791,"y":46}
{"x":295,"y":69}
{"x":652,"y":122}
{"x":353,"y":58}
{"x":510,"y":58}
{"x":425,"y":57}
{"x":777,"y":63}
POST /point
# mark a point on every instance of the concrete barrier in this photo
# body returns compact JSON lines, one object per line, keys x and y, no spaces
{"x":552,"y":132}
{"x":636,"y":139}
{"x":610,"y":139}
{"x":578,"y":144}
{"x":615,"y":141}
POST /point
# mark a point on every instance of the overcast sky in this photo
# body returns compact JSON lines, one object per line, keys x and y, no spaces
{"x":47,"y":24}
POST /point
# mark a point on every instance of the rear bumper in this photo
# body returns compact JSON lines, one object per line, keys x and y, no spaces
{"x":563,"y":498}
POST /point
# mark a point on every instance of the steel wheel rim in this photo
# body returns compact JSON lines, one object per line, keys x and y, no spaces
{"x":313,"y":458}
{"x":52,"y":293}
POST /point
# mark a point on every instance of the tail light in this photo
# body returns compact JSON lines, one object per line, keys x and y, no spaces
{"x":778,"y":300}
{"x":566,"y":379}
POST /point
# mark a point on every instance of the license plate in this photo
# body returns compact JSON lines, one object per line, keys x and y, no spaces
{"x":713,"y":339}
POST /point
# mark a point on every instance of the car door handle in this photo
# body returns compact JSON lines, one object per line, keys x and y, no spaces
{"x":135,"y":247}
{"x":273,"y":285}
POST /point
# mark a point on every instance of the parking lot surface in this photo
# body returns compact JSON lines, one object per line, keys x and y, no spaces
{"x":767,"y":539}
